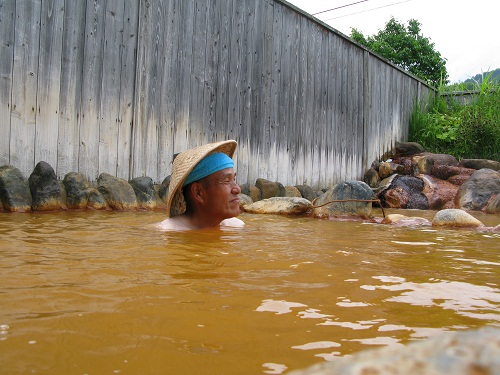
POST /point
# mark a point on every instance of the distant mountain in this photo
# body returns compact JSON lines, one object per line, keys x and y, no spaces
{"x":478,"y":78}
{"x":475,"y":82}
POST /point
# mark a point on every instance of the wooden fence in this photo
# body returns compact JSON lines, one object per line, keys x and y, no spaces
{"x":120,"y":86}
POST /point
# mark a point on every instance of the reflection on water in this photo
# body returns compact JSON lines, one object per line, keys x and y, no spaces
{"x":100,"y":292}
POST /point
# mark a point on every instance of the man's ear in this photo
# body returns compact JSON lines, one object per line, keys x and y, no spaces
{"x":197,"y":191}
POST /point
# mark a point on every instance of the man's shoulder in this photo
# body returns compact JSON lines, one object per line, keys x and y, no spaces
{"x":232,"y":222}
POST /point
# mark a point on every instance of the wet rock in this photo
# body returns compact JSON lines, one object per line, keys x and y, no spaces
{"x":444,"y":172}
{"x":118,"y":193}
{"x":458,"y":180}
{"x":77,"y":189}
{"x":145,"y":192}
{"x":96,"y":200}
{"x":423,"y":163}
{"x":45,"y":189}
{"x":292,"y":191}
{"x":268,"y":188}
{"x":493,"y":205}
{"x":457,"y":353}
{"x":408,"y":148}
{"x":15,"y":195}
{"x":478,"y":189}
{"x":280,"y":206}
{"x":245,"y":200}
{"x":402,"y":220}
{"x":455,"y":218}
{"x":388,"y":168}
{"x":252,"y":191}
{"x":163,"y":189}
{"x":306,"y":192}
{"x":349,"y":190}
{"x":440,"y":194}
{"x":406,"y":192}
{"x":480,"y":164}
{"x":372,"y":178}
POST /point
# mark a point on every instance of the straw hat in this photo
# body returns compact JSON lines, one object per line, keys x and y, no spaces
{"x":183,"y":165}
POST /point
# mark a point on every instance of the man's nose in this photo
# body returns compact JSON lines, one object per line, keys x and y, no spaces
{"x":236,"y":189}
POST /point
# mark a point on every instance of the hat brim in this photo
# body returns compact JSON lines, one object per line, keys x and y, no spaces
{"x":183,"y":164}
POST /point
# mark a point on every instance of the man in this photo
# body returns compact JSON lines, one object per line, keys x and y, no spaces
{"x":203,"y":192}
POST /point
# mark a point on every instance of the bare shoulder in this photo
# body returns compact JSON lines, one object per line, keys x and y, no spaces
{"x":232,"y":222}
{"x":172,"y":223}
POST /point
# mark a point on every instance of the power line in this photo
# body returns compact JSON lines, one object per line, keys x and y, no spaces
{"x":368,"y":10}
{"x":342,"y":6}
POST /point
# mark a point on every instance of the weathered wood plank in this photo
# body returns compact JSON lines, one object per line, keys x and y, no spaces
{"x":148,"y":83}
{"x":71,"y":84}
{"x":109,"y":119}
{"x":127,"y":89}
{"x":7,"y":18}
{"x":88,"y":162}
{"x":24,"y":85}
{"x":48,"y":90}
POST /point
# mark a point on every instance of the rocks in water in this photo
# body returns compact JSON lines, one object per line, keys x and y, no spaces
{"x":493,"y":205}
{"x":45,"y":189}
{"x":15,"y":195}
{"x":245,"y":200}
{"x":252,"y":191}
{"x":280,"y":206}
{"x":440,"y":194}
{"x":408,"y":148}
{"x":292,"y":191}
{"x":353,"y":193}
{"x":268,"y":188}
{"x":478,"y":189}
{"x":145,"y":192}
{"x":117,"y":192}
{"x":163,"y":189}
{"x":307,"y":192}
{"x":405,"y":192}
{"x":372,"y":178}
{"x":402,"y":220}
{"x":457,"y":353}
{"x":77,"y":190}
{"x":455,"y":218}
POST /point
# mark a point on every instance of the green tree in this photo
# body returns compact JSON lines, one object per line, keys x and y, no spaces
{"x":407,"y":48}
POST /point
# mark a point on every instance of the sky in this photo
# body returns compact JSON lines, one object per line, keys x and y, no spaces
{"x":465,"y":33}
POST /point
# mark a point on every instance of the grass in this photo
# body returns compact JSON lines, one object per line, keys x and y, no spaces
{"x":466,"y":131}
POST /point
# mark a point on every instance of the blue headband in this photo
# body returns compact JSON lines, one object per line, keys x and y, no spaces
{"x":208,"y":165}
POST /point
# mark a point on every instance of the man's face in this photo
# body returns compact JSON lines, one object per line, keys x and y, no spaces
{"x":222,"y":194}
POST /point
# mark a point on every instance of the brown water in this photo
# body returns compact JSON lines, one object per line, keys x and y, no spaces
{"x":99,"y":293}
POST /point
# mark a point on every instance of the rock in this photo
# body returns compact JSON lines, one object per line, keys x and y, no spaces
{"x":280,"y":205}
{"x":478,"y":189}
{"x":444,"y":172}
{"x":118,"y":193}
{"x":458,"y":180}
{"x":480,"y":164}
{"x":408,"y":148}
{"x":163,"y":189}
{"x":268,"y":188}
{"x":77,"y":189}
{"x":45,"y":189}
{"x":306,"y":192}
{"x":440,"y":194}
{"x":252,"y":191}
{"x":386,"y":169}
{"x":424,"y":162}
{"x":281,"y":189}
{"x":144,"y":192}
{"x":15,"y":195}
{"x":350,"y":190}
{"x":493,"y":205}
{"x":458,"y":353}
{"x":402,"y":220}
{"x":292,"y":191}
{"x":455,"y":218}
{"x":96,"y":200}
{"x":372,"y":178}
{"x":245,"y":200}
{"x":405,"y":192}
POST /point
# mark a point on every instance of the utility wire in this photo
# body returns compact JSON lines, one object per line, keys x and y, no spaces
{"x":368,"y":10}
{"x":342,"y":6}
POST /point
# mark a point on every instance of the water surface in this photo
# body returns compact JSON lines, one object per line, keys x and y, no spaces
{"x":101,"y":293}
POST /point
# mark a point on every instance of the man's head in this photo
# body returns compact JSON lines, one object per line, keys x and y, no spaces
{"x":204,"y":177}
